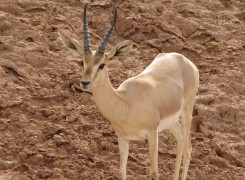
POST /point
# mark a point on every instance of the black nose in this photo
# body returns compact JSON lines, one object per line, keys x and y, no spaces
{"x":85,"y":83}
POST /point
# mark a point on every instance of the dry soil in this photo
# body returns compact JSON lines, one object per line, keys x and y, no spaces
{"x":48,"y":130}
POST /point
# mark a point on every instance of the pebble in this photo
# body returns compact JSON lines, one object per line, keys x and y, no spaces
{"x":47,"y":112}
{"x":68,"y":108}
{"x":59,"y":140}
{"x":15,"y":177}
{"x":44,"y":173}
{"x":33,"y":139}
{"x":5,"y":25}
{"x":37,"y":159}
{"x":4,"y":165}
{"x":156,"y":43}
{"x":22,"y":156}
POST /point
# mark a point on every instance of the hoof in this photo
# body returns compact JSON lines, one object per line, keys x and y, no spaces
{"x":120,"y":178}
{"x":154,"y":177}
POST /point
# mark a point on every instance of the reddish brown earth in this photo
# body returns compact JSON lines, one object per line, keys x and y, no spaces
{"x":49,"y":131}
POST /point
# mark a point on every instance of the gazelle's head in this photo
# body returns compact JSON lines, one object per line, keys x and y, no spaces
{"x":94,"y":63}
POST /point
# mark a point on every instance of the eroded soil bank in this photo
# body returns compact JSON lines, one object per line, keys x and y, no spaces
{"x":48,"y":131}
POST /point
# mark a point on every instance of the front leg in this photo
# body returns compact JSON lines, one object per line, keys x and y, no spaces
{"x":153,"y":147}
{"x":123,"y":150}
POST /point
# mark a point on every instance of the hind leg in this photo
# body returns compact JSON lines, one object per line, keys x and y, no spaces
{"x":186,"y":118}
{"x":176,"y":130}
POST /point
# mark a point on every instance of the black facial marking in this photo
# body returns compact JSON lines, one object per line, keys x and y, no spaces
{"x":81,"y":62}
{"x":101,"y":66}
{"x":72,"y":46}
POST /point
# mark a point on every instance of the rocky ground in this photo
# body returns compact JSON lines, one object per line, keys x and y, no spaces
{"x":49,"y":131}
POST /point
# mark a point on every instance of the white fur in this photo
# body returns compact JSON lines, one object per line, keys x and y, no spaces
{"x":168,"y":122}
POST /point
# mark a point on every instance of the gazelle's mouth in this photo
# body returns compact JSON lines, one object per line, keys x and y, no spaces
{"x":85,"y":89}
{"x":76,"y":88}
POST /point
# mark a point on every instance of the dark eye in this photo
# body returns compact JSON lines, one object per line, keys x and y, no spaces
{"x":101,"y":66}
{"x":81,"y":62}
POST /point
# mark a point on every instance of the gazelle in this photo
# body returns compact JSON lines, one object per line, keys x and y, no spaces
{"x":161,"y":97}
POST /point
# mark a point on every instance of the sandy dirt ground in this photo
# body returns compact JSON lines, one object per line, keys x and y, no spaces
{"x":49,"y":131}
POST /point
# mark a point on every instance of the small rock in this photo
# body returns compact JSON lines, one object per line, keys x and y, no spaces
{"x":3,"y":17}
{"x":2,"y":151}
{"x":104,"y":145}
{"x":2,"y":46}
{"x":85,"y":149}
{"x":72,"y":117}
{"x":204,"y":77}
{"x":59,"y":140}
{"x":33,"y":139}
{"x":187,"y":27}
{"x":14,"y":177}
{"x":57,"y":174}
{"x":214,"y":145}
{"x":125,"y":25}
{"x":47,"y":112}
{"x":156,"y":43}
{"x":36,"y":159}
{"x":146,"y":1}
{"x":72,"y":174}
{"x":219,"y":162}
{"x":22,"y":156}
{"x":101,"y":3}
{"x":129,"y":31}
{"x":172,"y":45}
{"x":28,"y":152}
{"x":36,"y":22}
{"x":5,"y":25}
{"x":21,"y":177}
{"x":44,"y":173}
{"x":141,"y":9}
{"x":50,"y":157}
{"x":138,"y":37}
{"x":87,"y":127}
{"x":197,"y":123}
{"x":68,"y":108}
{"x":3,"y":125}
{"x":146,"y":29}
{"x":4,"y":165}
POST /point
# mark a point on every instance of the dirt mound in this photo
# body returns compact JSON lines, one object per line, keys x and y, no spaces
{"x":48,"y":131}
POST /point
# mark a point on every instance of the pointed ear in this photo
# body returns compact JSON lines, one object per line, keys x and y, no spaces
{"x":69,"y":41}
{"x":120,"y":50}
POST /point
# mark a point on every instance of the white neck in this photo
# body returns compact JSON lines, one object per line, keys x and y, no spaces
{"x":109,"y":100}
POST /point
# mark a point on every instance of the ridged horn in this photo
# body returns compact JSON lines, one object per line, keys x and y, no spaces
{"x":103,"y":44}
{"x":86,"y":37}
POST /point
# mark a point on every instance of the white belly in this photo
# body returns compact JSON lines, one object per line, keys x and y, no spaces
{"x":142,"y":135}
{"x":164,"y":124}
{"x":168,"y":121}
